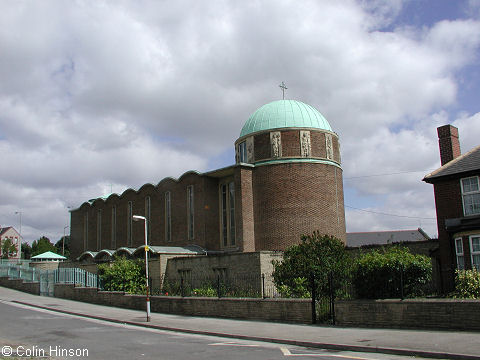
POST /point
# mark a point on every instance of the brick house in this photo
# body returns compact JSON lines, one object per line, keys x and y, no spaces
{"x":286,"y":181}
{"x":456,"y":186}
{"x":10,"y":233}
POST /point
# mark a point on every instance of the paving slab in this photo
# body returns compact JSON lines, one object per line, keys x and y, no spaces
{"x":423,"y":343}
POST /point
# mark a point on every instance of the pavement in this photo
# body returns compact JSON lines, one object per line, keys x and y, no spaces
{"x":421,"y":343}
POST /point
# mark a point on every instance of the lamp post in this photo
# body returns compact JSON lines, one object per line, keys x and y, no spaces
{"x":63,"y":241}
{"x":144,"y":219}
{"x":20,"y":239}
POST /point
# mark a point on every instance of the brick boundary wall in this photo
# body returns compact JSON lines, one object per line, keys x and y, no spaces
{"x":285,"y":310}
{"x":411,"y":313}
{"x":19,"y":284}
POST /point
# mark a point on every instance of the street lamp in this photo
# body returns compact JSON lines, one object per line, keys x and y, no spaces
{"x":144,"y":219}
{"x":20,"y":239}
{"x":63,"y":241}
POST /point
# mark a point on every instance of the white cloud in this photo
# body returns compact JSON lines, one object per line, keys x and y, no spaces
{"x":127,"y":93}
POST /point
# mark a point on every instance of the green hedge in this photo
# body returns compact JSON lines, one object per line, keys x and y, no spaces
{"x":467,"y":284}
{"x":381,"y":274}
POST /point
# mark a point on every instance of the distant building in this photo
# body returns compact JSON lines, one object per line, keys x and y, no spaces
{"x":286,"y":181}
{"x":359,"y":239}
{"x":456,"y":187}
{"x":11,"y":234}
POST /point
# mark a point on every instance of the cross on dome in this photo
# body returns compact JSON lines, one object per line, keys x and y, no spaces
{"x":283,"y":87}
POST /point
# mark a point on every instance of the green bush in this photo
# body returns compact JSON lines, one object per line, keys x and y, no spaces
{"x":467,"y":284}
{"x":380,"y":274}
{"x":318,"y":255}
{"x":123,"y":275}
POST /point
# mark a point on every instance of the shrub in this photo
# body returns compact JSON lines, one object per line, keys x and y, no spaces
{"x":380,"y":274}
{"x":317,"y":255}
{"x":467,"y":284}
{"x":123,"y":275}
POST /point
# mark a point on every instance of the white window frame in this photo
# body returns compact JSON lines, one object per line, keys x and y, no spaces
{"x":466,"y":194}
{"x":475,"y":253}
{"x":460,"y":254}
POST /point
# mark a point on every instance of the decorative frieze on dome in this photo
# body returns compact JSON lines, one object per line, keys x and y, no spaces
{"x":276,"y":144}
{"x":305,"y":144}
{"x":329,"y":146}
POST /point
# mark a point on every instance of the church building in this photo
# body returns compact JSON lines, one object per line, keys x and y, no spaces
{"x":286,"y":181}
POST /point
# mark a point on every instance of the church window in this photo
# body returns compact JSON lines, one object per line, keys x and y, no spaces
{"x":147,"y":214}
{"x":168,"y":218}
{"x":242,"y":151}
{"x":85,"y":232}
{"x":190,"y":212}
{"x":114,"y":228}
{"x":99,"y":229}
{"x":471,"y":195}
{"x":227,"y":203}
{"x":129,"y":223}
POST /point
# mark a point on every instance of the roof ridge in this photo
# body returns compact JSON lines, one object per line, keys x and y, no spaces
{"x":452,"y":162}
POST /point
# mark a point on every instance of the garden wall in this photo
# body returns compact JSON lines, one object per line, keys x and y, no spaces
{"x":411,"y":313}
{"x":287,"y":310}
{"x":19,"y":284}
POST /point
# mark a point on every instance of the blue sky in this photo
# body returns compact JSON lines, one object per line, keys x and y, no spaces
{"x":111,"y":95}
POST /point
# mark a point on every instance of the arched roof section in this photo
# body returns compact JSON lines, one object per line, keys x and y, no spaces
{"x":87,"y":255}
{"x":104,"y":254}
{"x":124,"y":251}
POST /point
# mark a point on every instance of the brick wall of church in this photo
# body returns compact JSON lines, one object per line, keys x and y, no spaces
{"x":291,"y":199}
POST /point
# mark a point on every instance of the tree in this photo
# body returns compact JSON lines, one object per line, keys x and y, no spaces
{"x":317,"y":255}
{"x":42,"y":245}
{"x":8,"y":249}
{"x":26,"y":251}
{"x":59,"y":246}
{"x":123,"y":275}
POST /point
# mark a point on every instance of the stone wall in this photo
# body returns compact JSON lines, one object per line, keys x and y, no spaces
{"x":287,"y":310}
{"x":19,"y":284}
{"x":412,"y":313}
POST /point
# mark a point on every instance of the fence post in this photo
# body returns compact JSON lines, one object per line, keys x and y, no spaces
{"x":218,"y":287}
{"x":86,"y":278}
{"x":263,"y":286}
{"x":332,"y":297}
{"x":314,"y":296}
{"x":182,"y":293}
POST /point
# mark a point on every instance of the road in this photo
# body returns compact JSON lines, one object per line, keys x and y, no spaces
{"x":29,"y":331}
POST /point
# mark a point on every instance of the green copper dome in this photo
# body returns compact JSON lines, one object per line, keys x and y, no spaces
{"x":285,"y":114}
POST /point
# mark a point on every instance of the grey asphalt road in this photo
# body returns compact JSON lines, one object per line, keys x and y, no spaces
{"x":28,"y":331}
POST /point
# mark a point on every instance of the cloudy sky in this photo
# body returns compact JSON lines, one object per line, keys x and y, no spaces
{"x":105,"y":95}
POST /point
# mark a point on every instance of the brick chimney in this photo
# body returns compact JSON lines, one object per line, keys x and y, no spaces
{"x":448,"y":143}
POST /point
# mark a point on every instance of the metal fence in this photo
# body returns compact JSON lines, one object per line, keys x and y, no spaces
{"x":48,"y":278}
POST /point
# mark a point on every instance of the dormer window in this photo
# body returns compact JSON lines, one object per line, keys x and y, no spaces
{"x":471,"y":196}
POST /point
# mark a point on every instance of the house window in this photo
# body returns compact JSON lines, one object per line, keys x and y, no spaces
{"x":190,"y":212}
{"x":471,"y":196}
{"x":85,"y":232}
{"x":475,"y":251}
{"x":168,"y":218}
{"x":114,"y":228}
{"x":99,"y":229}
{"x":227,"y":202}
{"x":459,"y":253}
{"x":129,"y":223}
{"x":147,"y":214}
{"x":242,"y":152}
